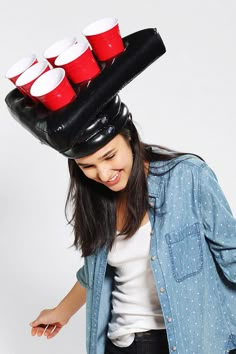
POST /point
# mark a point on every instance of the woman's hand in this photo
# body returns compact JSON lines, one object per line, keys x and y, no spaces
{"x":48,"y":323}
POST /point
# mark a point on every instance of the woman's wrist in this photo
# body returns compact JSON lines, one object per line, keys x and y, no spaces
{"x":63,"y":313}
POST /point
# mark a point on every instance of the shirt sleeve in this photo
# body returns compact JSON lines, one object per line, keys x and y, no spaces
{"x":218,"y":221}
{"x":82,"y":277}
{"x":86,"y":273}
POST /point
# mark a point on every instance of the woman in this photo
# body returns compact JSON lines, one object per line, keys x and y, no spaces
{"x":181,"y":279}
{"x":156,"y":232}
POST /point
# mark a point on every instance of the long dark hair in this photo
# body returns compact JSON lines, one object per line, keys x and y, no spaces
{"x":93,"y":206}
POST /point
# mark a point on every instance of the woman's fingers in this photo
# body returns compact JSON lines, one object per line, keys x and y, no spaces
{"x":38,"y":330}
{"x":48,"y":331}
{"x":34,"y":331}
{"x":53,"y":332}
{"x":52,"y":329}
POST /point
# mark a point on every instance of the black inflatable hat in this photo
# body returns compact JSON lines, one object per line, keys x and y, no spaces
{"x":97,"y":114}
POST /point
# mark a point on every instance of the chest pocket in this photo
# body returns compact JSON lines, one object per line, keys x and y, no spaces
{"x":185,"y":250}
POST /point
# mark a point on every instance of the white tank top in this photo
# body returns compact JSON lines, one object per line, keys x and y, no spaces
{"x":135,"y":303}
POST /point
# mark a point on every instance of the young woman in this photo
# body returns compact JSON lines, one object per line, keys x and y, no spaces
{"x":155,"y":230}
{"x":159,"y":242}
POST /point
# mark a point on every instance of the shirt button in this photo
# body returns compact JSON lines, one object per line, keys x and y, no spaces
{"x":153,"y":258}
{"x":152,"y":232}
{"x":174,"y":348}
{"x":162,"y":290}
{"x":169,"y":319}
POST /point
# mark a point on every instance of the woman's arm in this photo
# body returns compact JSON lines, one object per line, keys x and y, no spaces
{"x":50,"y":321}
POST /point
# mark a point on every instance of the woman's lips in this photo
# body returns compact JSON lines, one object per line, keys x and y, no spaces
{"x":116,"y":179}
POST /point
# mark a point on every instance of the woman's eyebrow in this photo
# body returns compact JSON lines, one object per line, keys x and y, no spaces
{"x":100,"y":158}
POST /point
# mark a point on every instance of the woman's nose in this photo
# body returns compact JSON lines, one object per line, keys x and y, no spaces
{"x":103,"y":174}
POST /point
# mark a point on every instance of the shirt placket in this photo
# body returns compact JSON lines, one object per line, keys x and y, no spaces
{"x":99,"y":275}
{"x":159,"y":278}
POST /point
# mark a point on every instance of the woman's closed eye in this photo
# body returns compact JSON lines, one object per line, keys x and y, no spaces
{"x":110,"y":157}
{"x":85,"y":167}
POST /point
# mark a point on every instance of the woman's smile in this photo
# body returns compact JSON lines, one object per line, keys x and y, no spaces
{"x":114,"y":180}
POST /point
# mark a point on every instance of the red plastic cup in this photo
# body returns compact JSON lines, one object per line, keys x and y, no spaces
{"x":104,"y":37}
{"x":52,"y":52}
{"x":53,"y":89}
{"x":19,"y":67}
{"x":26,"y":80}
{"x":79,"y":63}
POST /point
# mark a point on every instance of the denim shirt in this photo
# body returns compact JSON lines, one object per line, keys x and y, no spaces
{"x":193,"y":260}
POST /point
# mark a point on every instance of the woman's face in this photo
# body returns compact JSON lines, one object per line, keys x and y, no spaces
{"x":111,"y":165}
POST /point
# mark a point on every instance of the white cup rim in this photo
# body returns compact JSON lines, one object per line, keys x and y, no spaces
{"x":58,"y":47}
{"x":20,"y":66}
{"x":44,"y":84}
{"x":100,"y":26}
{"x":71,"y":53}
{"x":31,"y":73}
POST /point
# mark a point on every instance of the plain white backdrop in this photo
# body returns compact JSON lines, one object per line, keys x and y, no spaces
{"x":185,"y":100}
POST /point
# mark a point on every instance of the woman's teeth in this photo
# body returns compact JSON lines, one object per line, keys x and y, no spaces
{"x":114,"y":177}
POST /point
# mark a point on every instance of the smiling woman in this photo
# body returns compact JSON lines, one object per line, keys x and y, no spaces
{"x":156,"y":232}
{"x":135,"y":282}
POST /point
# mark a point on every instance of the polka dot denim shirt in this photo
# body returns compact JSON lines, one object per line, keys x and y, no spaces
{"x":193,"y":260}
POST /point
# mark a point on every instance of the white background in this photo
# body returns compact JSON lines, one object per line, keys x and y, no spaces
{"x":186,"y":100}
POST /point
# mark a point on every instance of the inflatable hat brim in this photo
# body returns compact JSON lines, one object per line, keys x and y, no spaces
{"x":63,"y":128}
